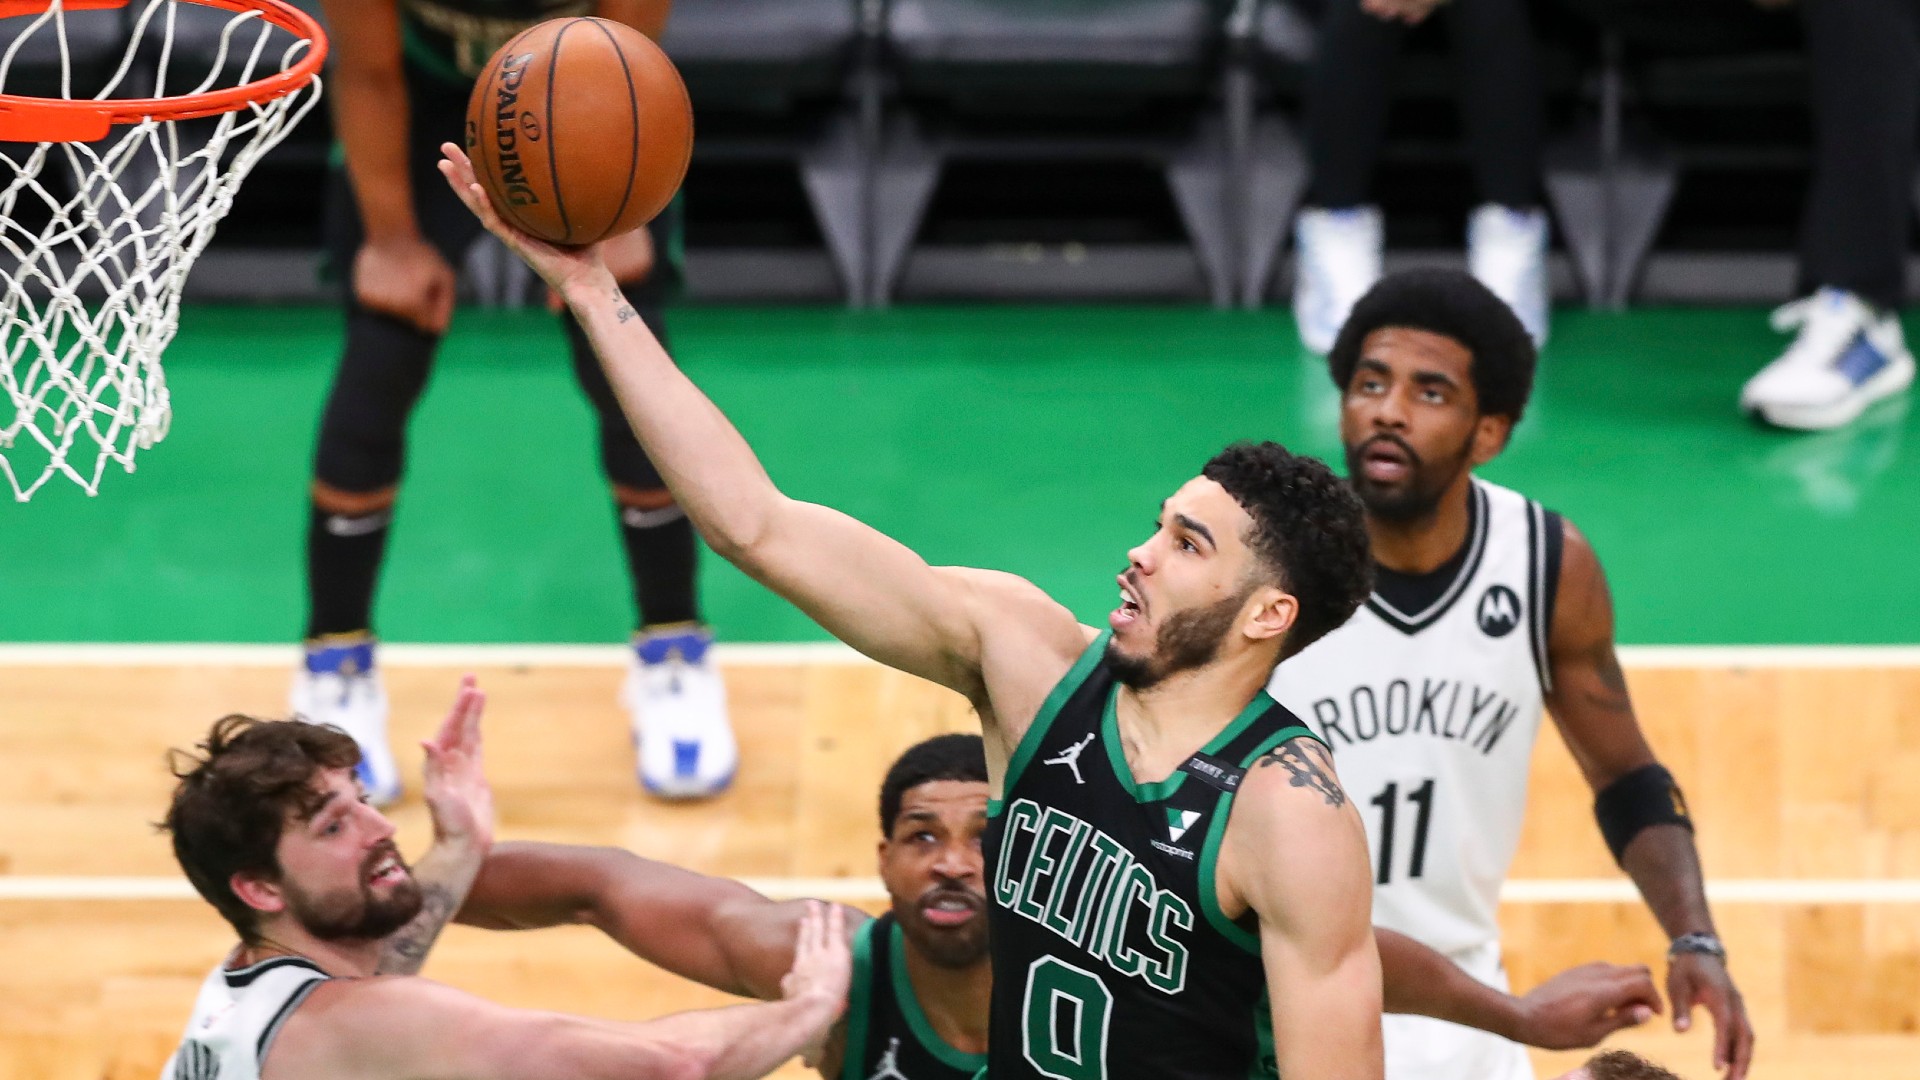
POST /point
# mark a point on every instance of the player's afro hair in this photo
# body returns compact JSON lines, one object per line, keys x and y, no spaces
{"x":1454,"y":305}
{"x":943,"y":757}
{"x":1308,"y":527}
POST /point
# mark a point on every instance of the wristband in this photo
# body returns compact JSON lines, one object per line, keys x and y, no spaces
{"x":1704,"y":944}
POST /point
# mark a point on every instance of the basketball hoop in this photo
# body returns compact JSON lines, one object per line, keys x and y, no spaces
{"x":107,"y":198}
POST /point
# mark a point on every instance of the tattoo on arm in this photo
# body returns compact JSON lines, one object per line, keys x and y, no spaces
{"x":405,"y":950}
{"x":1307,"y":766}
{"x":623,"y":311}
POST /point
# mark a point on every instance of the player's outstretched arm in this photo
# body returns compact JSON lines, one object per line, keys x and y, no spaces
{"x":1576,"y":1008}
{"x":412,"y":1029}
{"x":861,"y":585}
{"x":1641,"y":812}
{"x":1296,"y":853}
{"x":712,"y":930}
{"x":460,"y":801}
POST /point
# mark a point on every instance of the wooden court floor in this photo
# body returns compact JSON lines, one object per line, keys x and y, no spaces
{"x":1803,"y":779}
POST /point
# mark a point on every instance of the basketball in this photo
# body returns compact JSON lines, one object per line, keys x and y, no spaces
{"x":579,"y":129}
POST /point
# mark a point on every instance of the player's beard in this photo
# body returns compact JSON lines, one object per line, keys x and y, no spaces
{"x":1187,"y":640}
{"x":356,"y":914}
{"x":1418,"y":496}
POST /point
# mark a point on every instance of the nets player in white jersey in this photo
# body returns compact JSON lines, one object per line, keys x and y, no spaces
{"x":1485,"y":608}
{"x":272,"y":829}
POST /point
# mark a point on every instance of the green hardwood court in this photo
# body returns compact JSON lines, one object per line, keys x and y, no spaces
{"x":1033,"y":439}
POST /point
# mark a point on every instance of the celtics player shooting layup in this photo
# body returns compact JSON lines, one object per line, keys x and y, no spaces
{"x":1136,"y":930}
{"x":399,"y":78}
{"x":1485,"y":608}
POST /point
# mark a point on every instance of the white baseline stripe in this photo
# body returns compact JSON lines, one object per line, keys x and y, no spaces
{"x":768,"y":654}
{"x":188,"y":654}
{"x":1525,"y":891}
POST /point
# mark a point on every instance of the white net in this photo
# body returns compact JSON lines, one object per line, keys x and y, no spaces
{"x":97,"y":238}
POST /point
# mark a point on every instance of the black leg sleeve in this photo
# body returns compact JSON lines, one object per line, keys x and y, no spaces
{"x":1348,"y":90}
{"x":1865,"y":56}
{"x":1501,"y":97}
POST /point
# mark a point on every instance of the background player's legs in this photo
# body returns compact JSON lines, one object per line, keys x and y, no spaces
{"x":673,"y":691}
{"x":1864,"y":57}
{"x":361,"y":454}
{"x":1339,"y":236}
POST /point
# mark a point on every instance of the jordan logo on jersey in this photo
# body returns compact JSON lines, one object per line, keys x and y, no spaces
{"x":1070,"y":757}
{"x":1499,"y":611}
{"x":889,"y":1063}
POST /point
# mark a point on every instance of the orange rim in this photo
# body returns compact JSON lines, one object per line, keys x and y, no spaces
{"x":39,"y":119}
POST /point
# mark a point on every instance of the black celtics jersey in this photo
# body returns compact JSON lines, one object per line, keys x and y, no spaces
{"x":888,"y":1036}
{"x":1111,"y":956}
{"x":453,"y":39}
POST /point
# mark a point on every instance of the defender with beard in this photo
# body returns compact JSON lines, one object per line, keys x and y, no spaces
{"x":917,"y":1009}
{"x":273,"y":831}
{"x":1485,"y":609}
{"x":1168,"y":975}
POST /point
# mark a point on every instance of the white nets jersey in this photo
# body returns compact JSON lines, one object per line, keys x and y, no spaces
{"x":1430,"y":707}
{"x":237,"y":1016}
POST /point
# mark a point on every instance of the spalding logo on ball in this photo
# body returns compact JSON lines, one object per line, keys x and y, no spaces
{"x":579,"y":129}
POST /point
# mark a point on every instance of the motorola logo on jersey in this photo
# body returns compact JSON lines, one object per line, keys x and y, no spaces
{"x":1499,"y":611}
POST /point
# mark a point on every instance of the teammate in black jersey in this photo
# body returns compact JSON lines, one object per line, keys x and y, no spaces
{"x":917,"y":1006}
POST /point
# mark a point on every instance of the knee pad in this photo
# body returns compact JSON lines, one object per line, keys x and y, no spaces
{"x":362,"y":443}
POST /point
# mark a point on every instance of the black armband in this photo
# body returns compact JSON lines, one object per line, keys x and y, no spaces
{"x":1646,"y":796}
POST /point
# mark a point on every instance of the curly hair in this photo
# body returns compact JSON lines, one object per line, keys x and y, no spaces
{"x":1621,"y":1065}
{"x":1454,"y":305}
{"x":232,"y":802}
{"x":943,"y":757}
{"x":1308,"y":528}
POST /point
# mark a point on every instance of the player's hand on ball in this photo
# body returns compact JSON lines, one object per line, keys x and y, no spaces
{"x":1698,"y":979}
{"x":822,"y":970}
{"x":406,"y":279}
{"x":629,"y":258}
{"x":560,"y":267}
{"x":458,"y":796}
{"x":1581,"y":1006}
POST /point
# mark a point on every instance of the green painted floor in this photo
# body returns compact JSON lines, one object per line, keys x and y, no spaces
{"x":1034,"y":439}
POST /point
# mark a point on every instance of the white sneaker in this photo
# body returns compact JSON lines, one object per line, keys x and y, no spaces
{"x":1845,"y":358}
{"x":1507,"y":252}
{"x":679,"y":708}
{"x":1336,"y":260}
{"x":338,"y":685}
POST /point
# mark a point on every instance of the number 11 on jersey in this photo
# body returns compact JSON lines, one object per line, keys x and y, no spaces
{"x":1387,"y":801}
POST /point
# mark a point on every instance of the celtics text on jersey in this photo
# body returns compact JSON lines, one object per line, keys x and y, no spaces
{"x":1111,"y":955}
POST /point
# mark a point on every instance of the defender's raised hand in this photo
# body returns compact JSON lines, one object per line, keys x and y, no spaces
{"x":461,"y":803}
{"x":458,"y":796}
{"x":822,"y":970}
